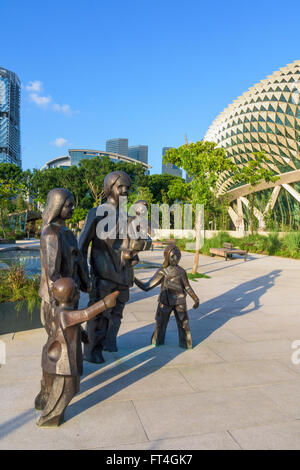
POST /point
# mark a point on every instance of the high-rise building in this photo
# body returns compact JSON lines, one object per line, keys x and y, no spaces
{"x":139,"y":152}
{"x":170,"y":169}
{"x":10,"y":146}
{"x":119,"y":146}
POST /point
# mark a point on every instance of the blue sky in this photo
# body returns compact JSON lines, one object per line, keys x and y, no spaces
{"x":151,"y":71}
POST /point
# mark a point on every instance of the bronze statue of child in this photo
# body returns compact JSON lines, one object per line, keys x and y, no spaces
{"x":62,"y":355}
{"x":174,"y":289}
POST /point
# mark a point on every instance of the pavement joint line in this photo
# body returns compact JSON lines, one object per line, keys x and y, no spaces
{"x":234,"y":439}
{"x":216,"y":353}
{"x":187,"y":381}
{"x":140,"y":420}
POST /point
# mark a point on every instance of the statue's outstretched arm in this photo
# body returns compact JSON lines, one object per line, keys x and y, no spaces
{"x":74,"y":317}
{"x":153,"y":282}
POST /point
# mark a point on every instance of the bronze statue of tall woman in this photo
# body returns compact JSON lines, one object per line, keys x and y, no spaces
{"x":60,"y":257}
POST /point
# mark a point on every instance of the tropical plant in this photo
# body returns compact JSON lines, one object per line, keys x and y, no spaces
{"x":17,"y":286}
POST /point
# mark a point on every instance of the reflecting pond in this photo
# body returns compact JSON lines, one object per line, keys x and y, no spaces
{"x":31,"y":260}
{"x":28,"y":257}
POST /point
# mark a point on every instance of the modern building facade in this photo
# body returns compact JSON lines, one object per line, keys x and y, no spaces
{"x":170,"y":169}
{"x":76,"y":155}
{"x":119,"y":146}
{"x":10,"y":140}
{"x":265,"y":118}
{"x":139,"y":152}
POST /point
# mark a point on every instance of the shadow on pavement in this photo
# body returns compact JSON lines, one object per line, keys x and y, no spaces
{"x":133,"y":364}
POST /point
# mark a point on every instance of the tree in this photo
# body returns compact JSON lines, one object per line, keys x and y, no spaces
{"x":79,"y":214}
{"x":94,"y":171}
{"x":11,"y":185}
{"x":43,"y":181}
{"x":8,"y":190}
{"x":205,"y":162}
{"x":136,"y":171}
{"x":160,"y":185}
{"x":73,"y":179}
{"x":142,"y":193}
{"x":253,"y":173}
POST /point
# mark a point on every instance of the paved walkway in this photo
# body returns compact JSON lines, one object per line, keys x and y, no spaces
{"x":237,"y":388}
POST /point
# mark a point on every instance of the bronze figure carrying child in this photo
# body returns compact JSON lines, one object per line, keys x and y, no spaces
{"x":62,"y":355}
{"x":174,"y":289}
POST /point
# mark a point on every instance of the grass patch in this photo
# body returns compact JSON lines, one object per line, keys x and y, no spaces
{"x":196,"y":276}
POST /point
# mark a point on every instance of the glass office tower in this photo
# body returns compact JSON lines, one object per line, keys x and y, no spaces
{"x":119,"y":146}
{"x":10,"y":146}
{"x":138,"y":152}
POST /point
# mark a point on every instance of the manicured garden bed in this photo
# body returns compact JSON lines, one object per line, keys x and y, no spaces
{"x":19,"y":300}
{"x":287,"y":246}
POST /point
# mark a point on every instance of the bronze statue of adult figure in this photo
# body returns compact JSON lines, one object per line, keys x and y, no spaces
{"x":60,"y":257}
{"x":111,"y":262}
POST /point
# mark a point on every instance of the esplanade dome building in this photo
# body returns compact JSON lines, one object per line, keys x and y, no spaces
{"x":265,"y":118}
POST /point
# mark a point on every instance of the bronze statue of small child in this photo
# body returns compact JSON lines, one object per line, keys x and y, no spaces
{"x":62,"y":355}
{"x":174,"y":289}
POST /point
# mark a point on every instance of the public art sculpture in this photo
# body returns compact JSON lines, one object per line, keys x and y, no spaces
{"x":111,"y":260}
{"x":60,"y":257}
{"x":62,"y":355}
{"x":174,"y":289}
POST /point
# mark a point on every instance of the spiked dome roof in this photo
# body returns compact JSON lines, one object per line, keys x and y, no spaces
{"x":264,"y":118}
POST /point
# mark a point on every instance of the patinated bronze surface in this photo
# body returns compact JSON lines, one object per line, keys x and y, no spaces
{"x":174,"y":288}
{"x":111,"y":261}
{"x":60,"y":257}
{"x":62,"y":355}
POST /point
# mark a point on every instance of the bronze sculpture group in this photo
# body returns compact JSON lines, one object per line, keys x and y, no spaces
{"x":65,"y":271}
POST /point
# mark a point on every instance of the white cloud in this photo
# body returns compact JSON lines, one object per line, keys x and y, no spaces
{"x":41,"y":101}
{"x":59,"y":142}
{"x":64,"y":108}
{"x":35,"y":86}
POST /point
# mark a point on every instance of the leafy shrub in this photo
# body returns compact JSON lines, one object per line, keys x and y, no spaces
{"x":16,"y":285}
{"x":291,"y":244}
{"x":215,"y":242}
{"x":288,"y":246}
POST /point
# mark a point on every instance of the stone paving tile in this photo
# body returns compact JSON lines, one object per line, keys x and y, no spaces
{"x":242,"y":336}
{"x":281,"y":436}
{"x":20,"y":390}
{"x":268,"y":333}
{"x":237,"y":374}
{"x":117,"y":384}
{"x":261,"y":350}
{"x":286,"y":359}
{"x":83,"y":429}
{"x":212,"y":441}
{"x":168,"y":355}
{"x":286,"y":395}
{"x":206,"y":412}
{"x":18,"y":367}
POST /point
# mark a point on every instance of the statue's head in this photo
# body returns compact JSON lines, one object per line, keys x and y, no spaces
{"x":65,"y":290}
{"x":141,"y":207}
{"x":60,"y":205}
{"x":116,"y":184}
{"x":172,"y":255}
